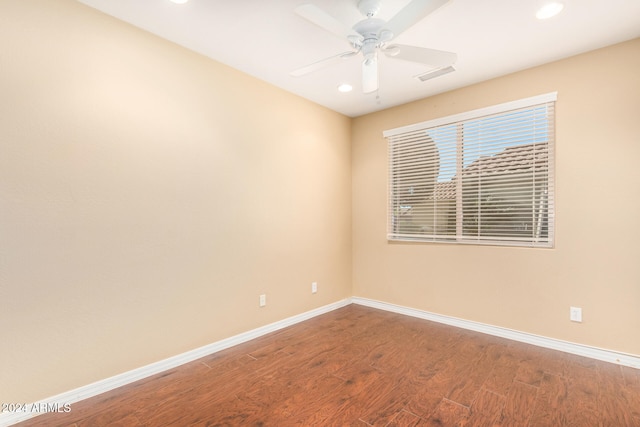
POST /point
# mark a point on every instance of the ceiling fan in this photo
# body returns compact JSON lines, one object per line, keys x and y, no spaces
{"x":372,"y":35}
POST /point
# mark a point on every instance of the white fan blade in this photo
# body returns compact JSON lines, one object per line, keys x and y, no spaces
{"x":321,"y":64}
{"x":415,"y":11}
{"x":432,"y":57}
{"x":324,"y":20}
{"x":370,"y":75}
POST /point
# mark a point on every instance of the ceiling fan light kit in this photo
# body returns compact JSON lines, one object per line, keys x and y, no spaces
{"x":371,"y":36}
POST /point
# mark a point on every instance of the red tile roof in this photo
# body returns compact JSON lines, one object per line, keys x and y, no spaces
{"x":516,"y":159}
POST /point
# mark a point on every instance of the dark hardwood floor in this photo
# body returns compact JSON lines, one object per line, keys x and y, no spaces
{"x":358,"y":366}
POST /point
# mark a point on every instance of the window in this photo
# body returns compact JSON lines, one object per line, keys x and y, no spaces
{"x":482,"y":177}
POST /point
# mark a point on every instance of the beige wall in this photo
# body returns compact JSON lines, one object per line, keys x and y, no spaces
{"x":148,"y":195}
{"x":596,"y":260}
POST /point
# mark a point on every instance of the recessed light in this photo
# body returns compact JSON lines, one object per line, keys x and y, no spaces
{"x":344,"y":88}
{"x":179,"y":1}
{"x":549,"y":10}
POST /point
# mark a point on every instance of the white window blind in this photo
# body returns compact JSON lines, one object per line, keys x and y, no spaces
{"x":483,"y":177}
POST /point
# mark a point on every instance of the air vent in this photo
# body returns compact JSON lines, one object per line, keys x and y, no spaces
{"x":434,"y":73}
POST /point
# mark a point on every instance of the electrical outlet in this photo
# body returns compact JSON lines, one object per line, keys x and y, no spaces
{"x":314,"y":287}
{"x":575,"y":314}
{"x":263,"y":300}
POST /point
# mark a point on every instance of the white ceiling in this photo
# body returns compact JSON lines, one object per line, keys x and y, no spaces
{"x":266,"y":39}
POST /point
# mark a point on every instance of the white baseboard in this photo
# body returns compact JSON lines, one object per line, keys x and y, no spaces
{"x":554,"y":344}
{"x":102,"y":386}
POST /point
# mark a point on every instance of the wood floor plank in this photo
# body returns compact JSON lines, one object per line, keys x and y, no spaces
{"x":503,"y":372}
{"x":108,"y":418}
{"x":469,"y":382}
{"x":374,"y":408}
{"x":380,"y":409}
{"x":486,"y":409}
{"x":358,"y":366}
{"x":407,"y":419}
{"x":319,"y":401}
{"x":520,"y":403}
{"x":551,"y":402}
{"x":633,"y":397}
{"x":529,"y":372}
{"x":631,"y":376}
{"x":613,"y":396}
{"x":448,"y":413}
{"x":424,"y":402}
{"x":583,"y":393}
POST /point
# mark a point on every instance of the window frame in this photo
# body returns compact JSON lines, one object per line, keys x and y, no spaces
{"x":394,"y":137}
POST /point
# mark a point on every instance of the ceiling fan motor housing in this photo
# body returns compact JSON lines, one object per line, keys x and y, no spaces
{"x":369,"y":29}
